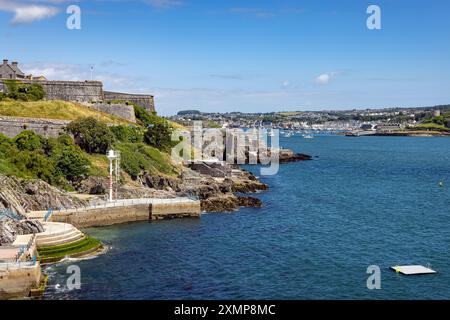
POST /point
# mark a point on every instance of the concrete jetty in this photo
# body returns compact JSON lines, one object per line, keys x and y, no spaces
{"x":122,"y":211}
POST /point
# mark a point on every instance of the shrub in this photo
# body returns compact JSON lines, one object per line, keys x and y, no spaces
{"x":71,"y":162}
{"x":145,"y":117}
{"x":36,"y":165}
{"x":91,"y":135}
{"x":128,"y":133}
{"x":139,"y":157}
{"x":25,"y":92}
{"x":27,"y":140}
{"x":159,"y":136}
{"x":35,"y":92}
{"x":132,"y":161}
{"x":3,"y":138}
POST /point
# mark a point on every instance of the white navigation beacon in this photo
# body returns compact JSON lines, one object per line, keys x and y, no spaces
{"x":413,"y":270}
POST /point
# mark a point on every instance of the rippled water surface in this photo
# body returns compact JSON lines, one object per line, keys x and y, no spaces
{"x":364,"y":201}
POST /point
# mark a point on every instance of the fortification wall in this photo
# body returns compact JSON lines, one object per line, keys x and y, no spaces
{"x":12,"y":126}
{"x":78,"y":91}
{"x":91,"y":92}
{"x":145,"y":101}
{"x":121,"y":110}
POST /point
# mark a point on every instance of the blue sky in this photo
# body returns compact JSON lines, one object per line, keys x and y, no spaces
{"x":240,"y":55}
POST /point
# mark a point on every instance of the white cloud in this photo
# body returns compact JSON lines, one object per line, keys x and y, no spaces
{"x":29,"y":14}
{"x":163,"y":4}
{"x":26,"y":12}
{"x":323,"y":79}
{"x":285,"y":84}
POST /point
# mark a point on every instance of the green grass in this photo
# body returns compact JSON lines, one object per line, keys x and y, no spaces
{"x":56,"y":253}
{"x":60,"y":110}
{"x":430,"y":126}
{"x":100,"y":164}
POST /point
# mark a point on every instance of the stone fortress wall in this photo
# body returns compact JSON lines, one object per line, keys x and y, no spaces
{"x":76,"y":91}
{"x":88,"y":92}
{"x":143,"y":100}
{"x":12,"y":126}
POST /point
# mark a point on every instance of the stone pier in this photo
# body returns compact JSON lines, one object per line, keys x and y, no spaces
{"x":123,"y":211}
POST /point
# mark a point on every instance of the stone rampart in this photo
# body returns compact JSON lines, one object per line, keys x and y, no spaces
{"x":145,"y":101}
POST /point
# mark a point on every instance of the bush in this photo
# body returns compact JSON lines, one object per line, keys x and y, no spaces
{"x":144,"y":117}
{"x":56,"y":161}
{"x":128,"y":133}
{"x":91,"y":135}
{"x":35,"y":92}
{"x":36,"y":165}
{"x":27,"y":140}
{"x":3,"y":138}
{"x":137,"y":158}
{"x":131,"y":160}
{"x":71,"y":162}
{"x":22,"y":91}
{"x":159,"y":136}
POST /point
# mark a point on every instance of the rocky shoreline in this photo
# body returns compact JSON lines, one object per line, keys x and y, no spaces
{"x":216,"y":194}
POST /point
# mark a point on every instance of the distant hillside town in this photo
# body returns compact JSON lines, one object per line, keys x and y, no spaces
{"x":436,"y":118}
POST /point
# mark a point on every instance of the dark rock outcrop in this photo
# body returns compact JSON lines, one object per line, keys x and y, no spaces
{"x":249,"y":202}
{"x":21,"y":196}
{"x":160,"y":182}
{"x":10,"y":229}
{"x":218,"y":194}
{"x":294,"y":157}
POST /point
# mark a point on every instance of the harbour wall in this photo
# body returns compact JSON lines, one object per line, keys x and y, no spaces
{"x":18,"y":281}
{"x":110,"y":215}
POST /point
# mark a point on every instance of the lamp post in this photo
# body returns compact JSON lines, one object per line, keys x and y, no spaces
{"x":112,"y":155}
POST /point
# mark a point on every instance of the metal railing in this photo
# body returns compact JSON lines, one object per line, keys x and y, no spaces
{"x":8,"y":213}
{"x":129,"y":202}
{"x":48,"y":214}
{"x":16,"y":265}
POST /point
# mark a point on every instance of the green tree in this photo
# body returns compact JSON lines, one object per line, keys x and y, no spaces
{"x":128,"y":133}
{"x":91,"y":135}
{"x":36,"y":165}
{"x":159,"y":136}
{"x":71,"y":163}
{"x":28,"y":140}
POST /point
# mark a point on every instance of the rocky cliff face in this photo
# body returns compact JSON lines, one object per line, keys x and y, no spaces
{"x":10,"y":229}
{"x":20,"y":196}
{"x":219,"y":194}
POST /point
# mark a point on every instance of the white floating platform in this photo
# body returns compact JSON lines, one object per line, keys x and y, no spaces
{"x":413,"y":270}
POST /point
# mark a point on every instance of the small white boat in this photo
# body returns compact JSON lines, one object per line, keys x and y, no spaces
{"x":308,"y":136}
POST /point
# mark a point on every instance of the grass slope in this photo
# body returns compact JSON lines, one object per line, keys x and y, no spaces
{"x":60,"y":110}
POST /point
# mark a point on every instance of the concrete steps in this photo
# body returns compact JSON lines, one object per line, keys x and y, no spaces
{"x":56,"y":234}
